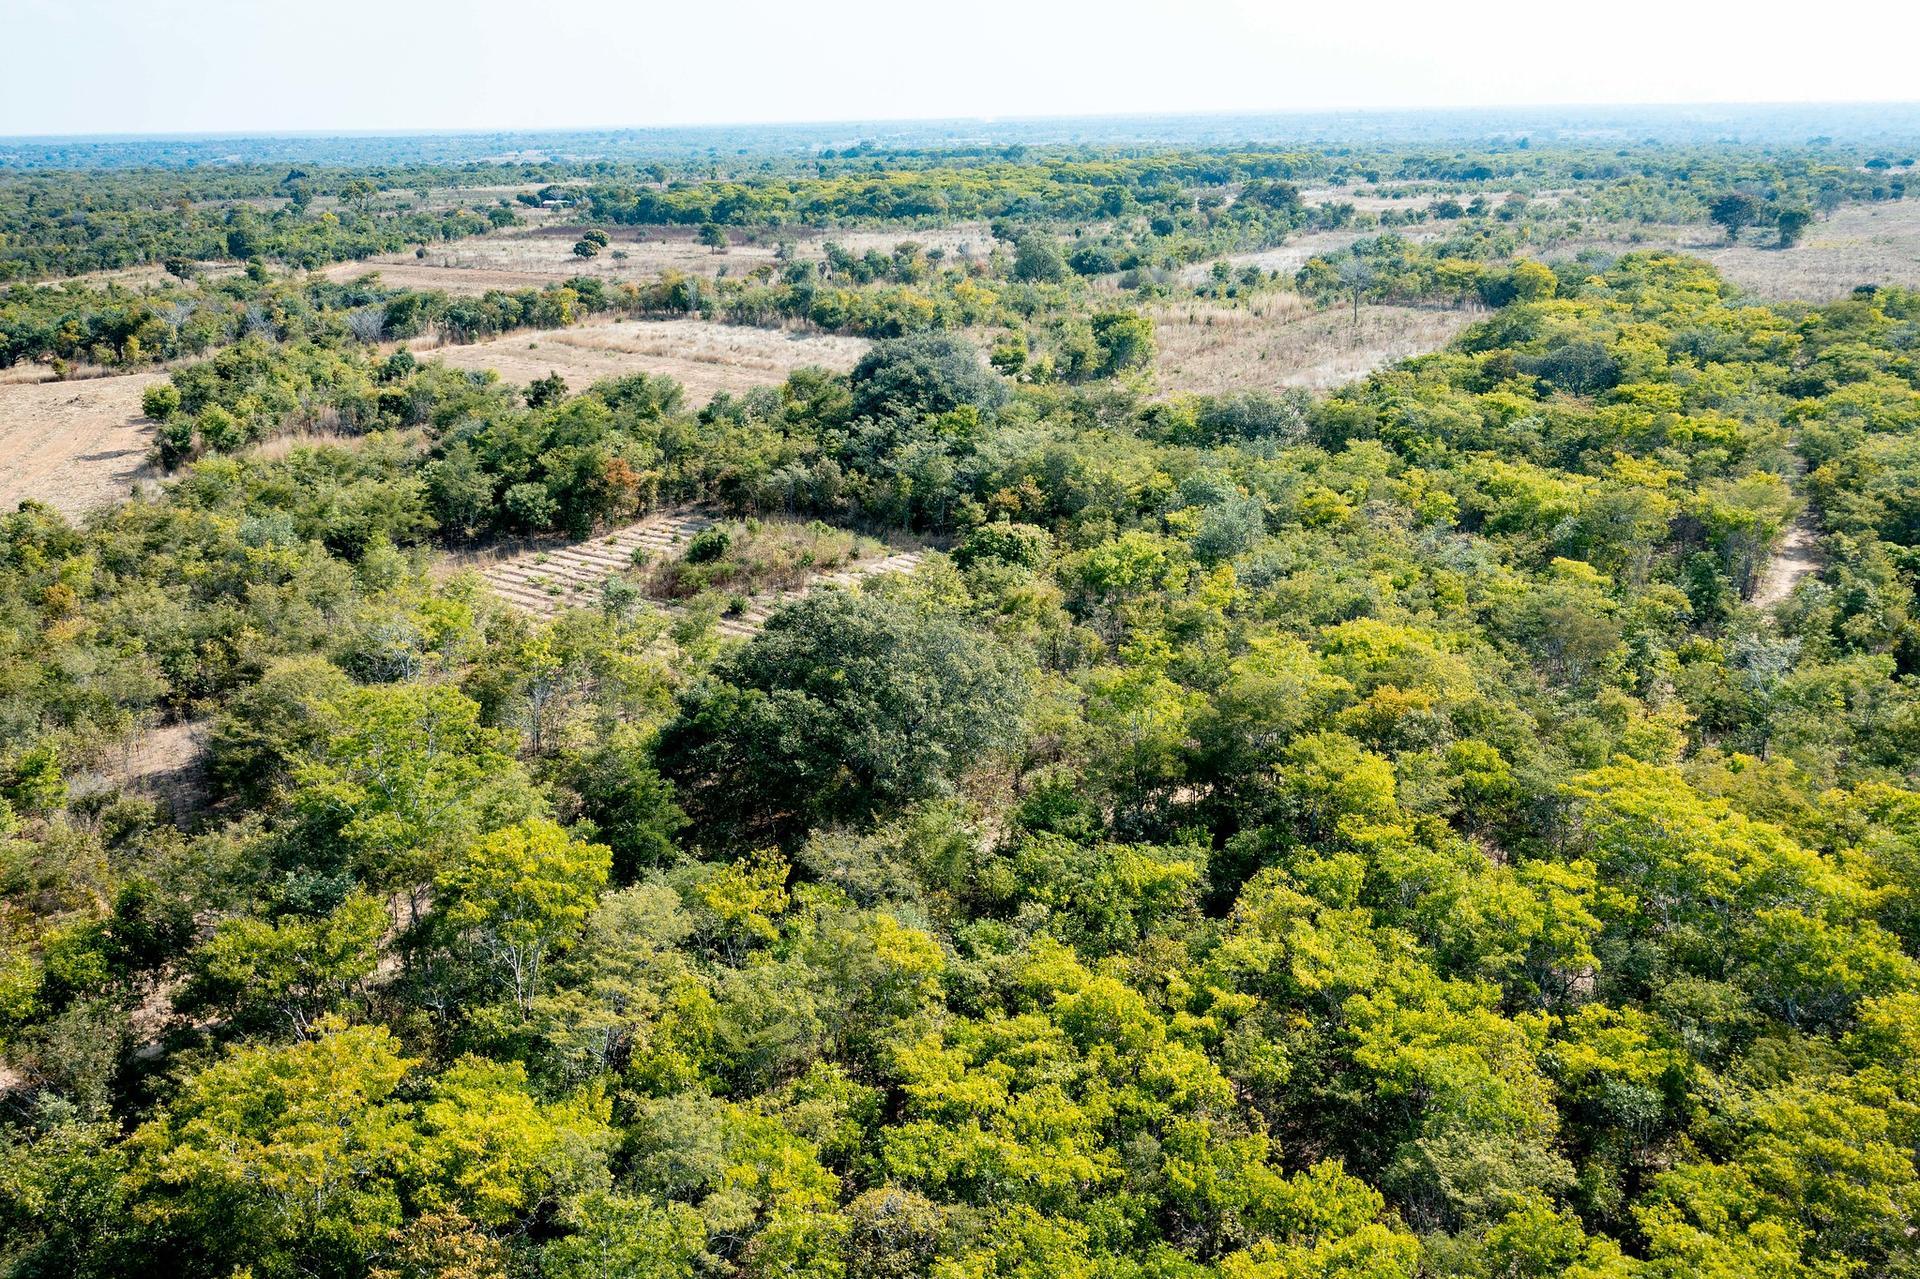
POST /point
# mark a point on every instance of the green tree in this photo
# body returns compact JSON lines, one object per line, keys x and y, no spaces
{"x":520,"y":894}
{"x":288,"y":973}
{"x":927,"y":374}
{"x":1735,"y":211}
{"x":844,"y":706}
{"x":1792,"y":222}
{"x":408,"y":778}
{"x":1037,"y":259}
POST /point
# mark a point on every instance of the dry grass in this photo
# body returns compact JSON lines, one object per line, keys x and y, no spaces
{"x":75,"y":445}
{"x":705,"y":358}
{"x":165,"y":763}
{"x":1284,"y":341}
{"x":760,"y":556}
{"x":529,"y":257}
{"x":1859,"y":244}
{"x":1368,"y":199}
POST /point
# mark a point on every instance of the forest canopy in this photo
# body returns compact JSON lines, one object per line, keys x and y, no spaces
{"x":1410,"y":829}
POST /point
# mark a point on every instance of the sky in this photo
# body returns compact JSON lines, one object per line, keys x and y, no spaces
{"x":266,"y":66}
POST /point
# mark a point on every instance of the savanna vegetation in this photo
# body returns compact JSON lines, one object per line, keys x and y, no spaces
{"x":1272,"y":836}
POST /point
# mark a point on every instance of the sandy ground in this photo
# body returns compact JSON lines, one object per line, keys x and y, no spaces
{"x":703,"y":357}
{"x":529,"y":257}
{"x":73,"y":445}
{"x":1284,"y":341}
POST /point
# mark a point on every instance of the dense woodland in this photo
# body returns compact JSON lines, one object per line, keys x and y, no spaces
{"x":1273,"y":837}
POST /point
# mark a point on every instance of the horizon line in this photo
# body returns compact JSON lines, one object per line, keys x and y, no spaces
{"x":399,"y":131}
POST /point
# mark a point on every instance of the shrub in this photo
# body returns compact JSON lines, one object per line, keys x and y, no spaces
{"x":160,"y":401}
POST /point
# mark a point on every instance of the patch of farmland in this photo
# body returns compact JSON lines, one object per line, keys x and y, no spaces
{"x":1282,"y":341}
{"x":75,"y":445}
{"x":704,"y":357}
{"x":546,"y":580}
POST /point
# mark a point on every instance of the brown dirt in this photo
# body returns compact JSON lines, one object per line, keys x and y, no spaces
{"x":533,"y":256}
{"x":74,"y":445}
{"x":705,"y":358}
{"x":1284,"y":341}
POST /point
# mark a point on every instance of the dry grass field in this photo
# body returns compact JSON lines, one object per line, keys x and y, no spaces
{"x":1859,"y":244}
{"x":1284,"y":341}
{"x":705,"y":358}
{"x":528,"y":257}
{"x":74,"y":445}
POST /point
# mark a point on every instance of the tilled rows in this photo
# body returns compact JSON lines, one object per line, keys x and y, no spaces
{"x":545,"y":582}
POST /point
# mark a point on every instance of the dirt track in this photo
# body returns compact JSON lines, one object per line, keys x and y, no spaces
{"x":1796,"y":556}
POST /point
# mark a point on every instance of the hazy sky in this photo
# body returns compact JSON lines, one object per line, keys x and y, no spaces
{"x":145,"y":66}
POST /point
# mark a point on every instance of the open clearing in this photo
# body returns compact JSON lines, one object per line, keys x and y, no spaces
{"x":165,"y":763}
{"x":1859,"y":244}
{"x":704,"y":357}
{"x":545,"y":580}
{"x":529,"y":257}
{"x":74,"y":445}
{"x":1287,"y":259}
{"x":1285,"y":341}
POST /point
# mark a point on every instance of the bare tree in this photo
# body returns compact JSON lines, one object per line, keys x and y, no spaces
{"x":368,"y":323}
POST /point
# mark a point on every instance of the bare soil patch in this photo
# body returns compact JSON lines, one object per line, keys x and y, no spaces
{"x":1285,"y":341}
{"x":75,"y":445}
{"x":704,"y":357}
{"x":1286,"y":259}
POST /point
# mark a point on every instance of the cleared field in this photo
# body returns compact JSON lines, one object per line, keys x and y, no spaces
{"x":1859,"y":244}
{"x":74,"y":445}
{"x":1285,"y":341}
{"x":545,"y":580}
{"x":529,"y":257}
{"x":705,"y":358}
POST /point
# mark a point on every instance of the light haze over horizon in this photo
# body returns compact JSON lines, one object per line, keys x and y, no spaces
{"x":213,"y":66}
